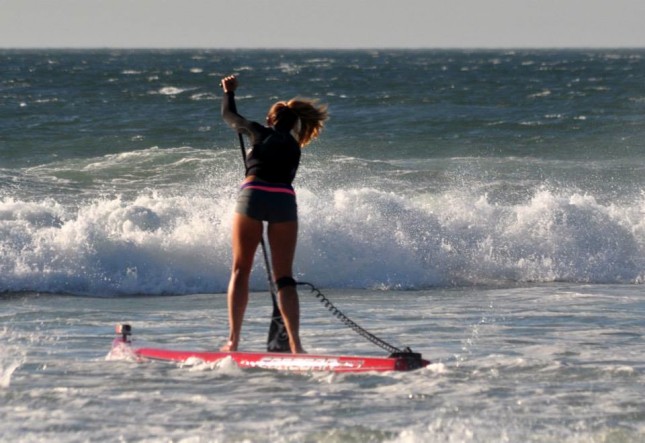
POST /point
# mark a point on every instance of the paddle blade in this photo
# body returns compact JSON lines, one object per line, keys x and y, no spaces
{"x":278,"y":340}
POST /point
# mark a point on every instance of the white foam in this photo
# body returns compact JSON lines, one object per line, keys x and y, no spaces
{"x":367,"y":237}
{"x":6,"y":371}
{"x":121,"y":352}
{"x":150,"y":245}
{"x":11,"y":357}
{"x":172,"y":90}
{"x":179,"y":242}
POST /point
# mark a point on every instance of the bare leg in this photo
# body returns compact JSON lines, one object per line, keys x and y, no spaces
{"x":290,"y":309}
{"x":247,"y":233}
{"x":282,"y":239}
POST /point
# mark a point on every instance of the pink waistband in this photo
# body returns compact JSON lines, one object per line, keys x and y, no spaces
{"x":268,"y":187}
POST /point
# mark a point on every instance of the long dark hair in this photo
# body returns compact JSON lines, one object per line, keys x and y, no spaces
{"x":310,"y":115}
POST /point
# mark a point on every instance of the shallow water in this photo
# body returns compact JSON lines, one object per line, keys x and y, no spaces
{"x":537,"y":363}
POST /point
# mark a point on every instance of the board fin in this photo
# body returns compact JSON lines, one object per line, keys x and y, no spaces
{"x":278,"y":339}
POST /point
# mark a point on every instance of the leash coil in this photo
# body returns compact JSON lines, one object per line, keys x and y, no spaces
{"x":351,"y":324}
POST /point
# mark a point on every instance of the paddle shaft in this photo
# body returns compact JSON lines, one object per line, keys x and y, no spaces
{"x":277,"y":340}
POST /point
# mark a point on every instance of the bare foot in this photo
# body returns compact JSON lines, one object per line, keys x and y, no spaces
{"x":229,"y":347}
{"x":297,"y":348}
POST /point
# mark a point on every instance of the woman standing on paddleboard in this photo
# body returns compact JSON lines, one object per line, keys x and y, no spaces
{"x":266,"y":194}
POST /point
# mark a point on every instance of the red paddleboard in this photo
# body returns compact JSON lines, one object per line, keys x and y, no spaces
{"x":403,"y":361}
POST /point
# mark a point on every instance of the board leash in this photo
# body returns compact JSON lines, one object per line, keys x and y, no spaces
{"x":353,"y":325}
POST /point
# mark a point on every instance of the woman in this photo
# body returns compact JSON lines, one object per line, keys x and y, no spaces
{"x":267,"y":195}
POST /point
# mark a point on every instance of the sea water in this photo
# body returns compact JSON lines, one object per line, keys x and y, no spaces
{"x":486,"y":208}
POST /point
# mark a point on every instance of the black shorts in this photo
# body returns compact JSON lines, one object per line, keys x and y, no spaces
{"x":271,"y":202}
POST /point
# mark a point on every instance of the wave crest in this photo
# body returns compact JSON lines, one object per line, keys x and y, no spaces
{"x":350,"y":238}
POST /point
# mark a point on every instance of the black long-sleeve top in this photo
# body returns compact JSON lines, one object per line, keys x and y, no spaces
{"x":274,"y":156}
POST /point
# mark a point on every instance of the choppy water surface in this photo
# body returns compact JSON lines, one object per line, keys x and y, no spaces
{"x":545,"y":363}
{"x":485,"y":208}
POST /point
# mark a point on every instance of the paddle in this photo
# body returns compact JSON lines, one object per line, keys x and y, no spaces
{"x":278,"y":340}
